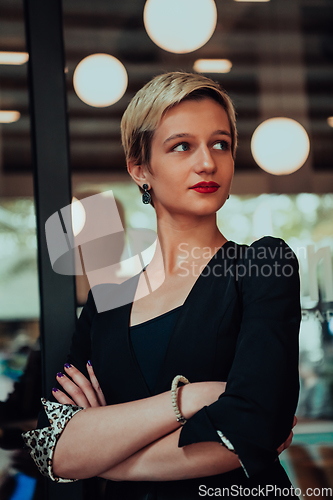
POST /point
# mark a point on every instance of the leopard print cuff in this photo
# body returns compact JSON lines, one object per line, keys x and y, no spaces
{"x":225,"y":442}
{"x":43,"y":441}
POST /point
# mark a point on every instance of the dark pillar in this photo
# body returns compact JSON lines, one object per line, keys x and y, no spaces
{"x":52,"y":186}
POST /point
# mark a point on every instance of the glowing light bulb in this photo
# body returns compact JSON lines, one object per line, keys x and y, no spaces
{"x":100,"y":80}
{"x":212,"y":65}
{"x":78,"y":216}
{"x":9,"y":116}
{"x":14,"y":58}
{"x":280,"y":146}
{"x":180,"y":26}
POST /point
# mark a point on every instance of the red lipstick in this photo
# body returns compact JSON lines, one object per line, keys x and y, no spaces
{"x":205,"y":187}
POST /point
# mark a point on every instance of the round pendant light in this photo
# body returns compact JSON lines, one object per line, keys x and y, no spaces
{"x":100,"y":80}
{"x":280,"y":146}
{"x":180,"y":26}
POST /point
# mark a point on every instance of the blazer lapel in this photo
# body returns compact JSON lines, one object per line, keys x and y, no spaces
{"x":191,"y":350}
{"x":119,"y":369}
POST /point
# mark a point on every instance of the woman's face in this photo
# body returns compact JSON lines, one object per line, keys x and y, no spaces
{"x":191,"y":145}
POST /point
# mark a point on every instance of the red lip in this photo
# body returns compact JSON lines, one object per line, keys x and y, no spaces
{"x":205,"y":185}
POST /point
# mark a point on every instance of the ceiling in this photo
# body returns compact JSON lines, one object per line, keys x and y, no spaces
{"x":281,"y":51}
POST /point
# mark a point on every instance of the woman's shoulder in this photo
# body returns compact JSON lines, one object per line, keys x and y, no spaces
{"x":266,"y":261}
{"x":267,"y":248}
{"x":265,"y":241}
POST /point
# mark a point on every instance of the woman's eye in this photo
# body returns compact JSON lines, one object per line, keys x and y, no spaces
{"x":183,"y":146}
{"x":221,"y":145}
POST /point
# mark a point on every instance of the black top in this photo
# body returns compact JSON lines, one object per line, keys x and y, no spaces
{"x":239,"y":324}
{"x":150,"y":341}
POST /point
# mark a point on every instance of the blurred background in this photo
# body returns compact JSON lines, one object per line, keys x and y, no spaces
{"x":274,"y":58}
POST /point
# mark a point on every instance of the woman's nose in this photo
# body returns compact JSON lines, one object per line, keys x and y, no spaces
{"x":205,"y":159}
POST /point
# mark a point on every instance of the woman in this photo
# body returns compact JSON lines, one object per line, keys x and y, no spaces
{"x":226,"y":316}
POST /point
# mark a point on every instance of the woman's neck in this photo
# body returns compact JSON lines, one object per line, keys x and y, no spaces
{"x":180,"y":242}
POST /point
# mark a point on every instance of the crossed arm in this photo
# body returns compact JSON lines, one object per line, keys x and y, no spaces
{"x":136,"y":441}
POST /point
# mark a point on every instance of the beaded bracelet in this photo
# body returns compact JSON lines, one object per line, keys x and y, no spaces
{"x":174,"y":394}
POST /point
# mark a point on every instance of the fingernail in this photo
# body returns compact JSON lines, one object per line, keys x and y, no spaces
{"x":67,"y":365}
{"x":54,"y":389}
{"x":59,"y":374}
{"x":89,"y":362}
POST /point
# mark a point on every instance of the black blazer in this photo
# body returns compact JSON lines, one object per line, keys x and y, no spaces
{"x":240,"y":324}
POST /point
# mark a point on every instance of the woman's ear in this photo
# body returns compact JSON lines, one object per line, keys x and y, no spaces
{"x":137,"y":172}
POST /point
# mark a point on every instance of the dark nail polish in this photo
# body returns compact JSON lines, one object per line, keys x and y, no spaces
{"x":67,"y":365}
{"x":59,"y":374}
{"x":54,"y":389}
{"x":89,"y":362}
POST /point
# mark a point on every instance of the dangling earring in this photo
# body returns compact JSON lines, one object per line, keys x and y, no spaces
{"x":146,"y":198}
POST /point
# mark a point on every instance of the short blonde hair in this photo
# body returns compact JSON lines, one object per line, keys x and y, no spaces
{"x":149,"y":104}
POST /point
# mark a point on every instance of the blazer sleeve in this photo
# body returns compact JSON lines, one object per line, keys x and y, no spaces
{"x":54,"y":417}
{"x":255,"y":413}
{"x":80,"y":350}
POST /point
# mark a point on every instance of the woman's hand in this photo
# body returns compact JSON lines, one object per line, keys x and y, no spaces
{"x":82,"y":392}
{"x":288,"y":441}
